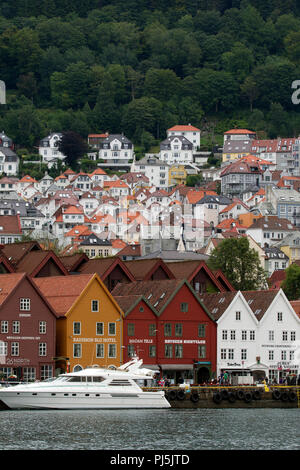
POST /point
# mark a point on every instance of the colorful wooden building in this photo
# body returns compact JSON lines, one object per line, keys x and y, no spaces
{"x":27,"y":329}
{"x":90,"y":322}
{"x":167,"y":326}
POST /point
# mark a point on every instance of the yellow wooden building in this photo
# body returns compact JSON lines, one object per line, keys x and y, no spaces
{"x":177,"y":175}
{"x":90,"y":322}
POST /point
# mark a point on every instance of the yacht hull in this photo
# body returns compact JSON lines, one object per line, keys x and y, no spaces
{"x":63,"y":401}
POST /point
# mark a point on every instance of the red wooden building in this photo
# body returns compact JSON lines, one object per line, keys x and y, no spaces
{"x":167,"y":326}
{"x":27,"y":329}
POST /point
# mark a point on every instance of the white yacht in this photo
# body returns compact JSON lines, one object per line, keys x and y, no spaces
{"x":91,"y":388}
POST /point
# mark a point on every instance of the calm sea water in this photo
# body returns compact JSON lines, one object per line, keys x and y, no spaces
{"x":203,"y":429}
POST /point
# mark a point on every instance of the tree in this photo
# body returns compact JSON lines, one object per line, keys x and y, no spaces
{"x":291,"y":284}
{"x":239,"y":263}
{"x":73,"y":146}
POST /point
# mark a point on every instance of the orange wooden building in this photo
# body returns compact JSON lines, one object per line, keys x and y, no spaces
{"x":90,"y":322}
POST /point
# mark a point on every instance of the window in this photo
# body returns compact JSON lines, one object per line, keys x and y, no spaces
{"x":284,"y":336}
{"x":243,"y":354}
{"x":230,"y":353}
{"x":252,"y":335}
{"x":271,"y":335}
{"x":130,"y":350}
{"x":178,"y":329}
{"x":46,"y":372}
{"x":184,"y":307}
{"x":178,"y":350}
{"x":152,"y":329}
{"x":224,"y":335}
{"x":16,"y":327}
{"x":29,"y":374}
{"x":271,"y":355}
{"x":237,"y":315}
{"x":283,"y":355}
{"x":201,"y":351}
{"x":100,"y":350}
{"x":3,"y":348}
{"x":95,"y":306}
{"x":201,"y":331}
{"x":152,"y":351}
{"x":168,"y":330}
{"x":15,"y":349}
{"x":42,"y":349}
{"x":293,"y":335}
{"x":76,"y":328}
{"x":130,"y":329}
{"x":232,"y":335}
{"x":244,"y":335}
{"x":24,"y":304}
{"x":168,"y":350}
{"x":111,"y":328}
{"x":279,"y":316}
{"x":112,"y":350}
{"x":4,"y":326}
{"x":99,"y":328}
{"x":223,"y":353}
{"x":77,"y":350}
{"x":42,"y":327}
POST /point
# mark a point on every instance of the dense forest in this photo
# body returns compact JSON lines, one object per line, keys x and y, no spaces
{"x":139,"y":67}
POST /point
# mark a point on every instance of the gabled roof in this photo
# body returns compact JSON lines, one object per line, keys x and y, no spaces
{"x":158,"y":293}
{"x":189,"y":269}
{"x":129,"y":302}
{"x":130,"y":250}
{"x":217,"y":303}
{"x":104,"y":266}
{"x":9,"y":283}
{"x":62,"y":292}
{"x":143,"y":269}
{"x":14,"y":252}
{"x":5,"y":264}
{"x":33,"y":262}
{"x":72,"y":262}
{"x":259,"y":301}
{"x":184,"y":128}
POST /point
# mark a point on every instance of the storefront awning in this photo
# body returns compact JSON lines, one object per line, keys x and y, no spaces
{"x":176,"y":366}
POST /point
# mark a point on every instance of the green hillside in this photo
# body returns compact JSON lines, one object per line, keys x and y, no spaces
{"x":139,"y":67}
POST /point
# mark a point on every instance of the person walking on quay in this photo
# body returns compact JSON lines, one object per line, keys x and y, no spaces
{"x":225,"y":378}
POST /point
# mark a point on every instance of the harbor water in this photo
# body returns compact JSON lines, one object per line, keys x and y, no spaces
{"x":170,"y":429}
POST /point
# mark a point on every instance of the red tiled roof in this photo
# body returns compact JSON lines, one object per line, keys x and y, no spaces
{"x":184,"y":128}
{"x":10,"y":224}
{"x":62,"y":291}
{"x":8,"y":283}
{"x":239,"y":131}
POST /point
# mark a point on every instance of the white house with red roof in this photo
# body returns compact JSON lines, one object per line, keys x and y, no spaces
{"x":116,"y":188}
{"x":233,"y":210}
{"x":191,"y":133}
{"x":98,"y":177}
{"x":89,"y":202}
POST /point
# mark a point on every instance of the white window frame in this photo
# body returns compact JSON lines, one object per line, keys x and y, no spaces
{"x":15,"y":348}
{"x":42,"y":349}
{"x":42,"y":327}
{"x":76,"y":323}
{"x":100,"y":350}
{"x":24,"y":304}
{"x":92,"y":307}
{"x":77,"y":348}
{"x":112,"y":347}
